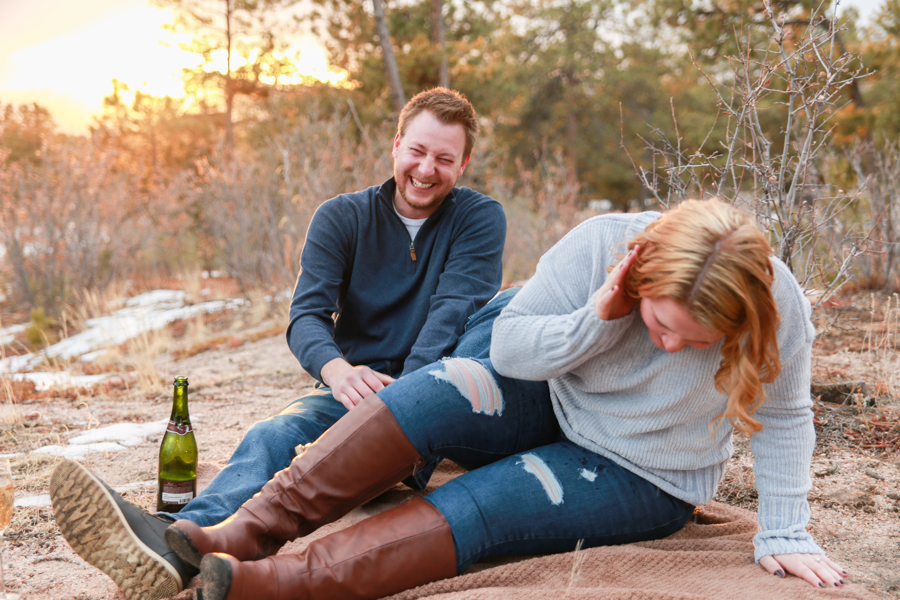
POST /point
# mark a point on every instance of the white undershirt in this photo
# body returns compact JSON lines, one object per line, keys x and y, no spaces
{"x":412,"y":225}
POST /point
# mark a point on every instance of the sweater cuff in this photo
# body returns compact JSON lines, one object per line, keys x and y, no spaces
{"x":768,"y":544}
{"x":320,"y":360}
{"x":311,"y":357}
{"x":611,"y":330}
{"x":782,"y":524}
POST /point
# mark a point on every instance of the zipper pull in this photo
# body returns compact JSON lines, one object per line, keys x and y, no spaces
{"x":412,"y":251}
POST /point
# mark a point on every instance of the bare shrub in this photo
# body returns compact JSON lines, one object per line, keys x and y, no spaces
{"x":539,"y":204}
{"x":65,"y":224}
{"x":776,"y":102}
{"x":321,"y":157}
{"x":879,"y":209}
{"x":255,"y":210}
{"x":882,"y":341}
{"x":240,"y":209}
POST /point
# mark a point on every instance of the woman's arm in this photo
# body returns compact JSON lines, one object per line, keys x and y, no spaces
{"x":554,"y":323}
{"x":783,"y":450}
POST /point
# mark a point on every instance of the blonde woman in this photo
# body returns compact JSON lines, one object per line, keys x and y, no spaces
{"x":598,"y":406}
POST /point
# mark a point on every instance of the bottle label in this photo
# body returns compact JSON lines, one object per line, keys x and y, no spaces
{"x":177,"y":492}
{"x":183,"y":429}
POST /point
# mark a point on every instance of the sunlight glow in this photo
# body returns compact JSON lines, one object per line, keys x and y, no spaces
{"x":70,"y":74}
{"x":309,"y":59}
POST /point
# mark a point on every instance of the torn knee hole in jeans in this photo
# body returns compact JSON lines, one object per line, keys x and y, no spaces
{"x":536,"y":466}
{"x":474,"y":382}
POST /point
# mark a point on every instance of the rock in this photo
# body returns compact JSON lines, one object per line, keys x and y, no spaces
{"x":838,"y":392}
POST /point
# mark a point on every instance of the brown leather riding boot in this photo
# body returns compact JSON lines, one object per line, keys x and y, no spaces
{"x":406,"y":546}
{"x":359,"y":457}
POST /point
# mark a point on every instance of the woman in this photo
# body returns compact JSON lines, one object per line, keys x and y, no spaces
{"x":650,"y":364}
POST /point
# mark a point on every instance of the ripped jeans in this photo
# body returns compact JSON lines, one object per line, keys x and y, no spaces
{"x":528,"y":489}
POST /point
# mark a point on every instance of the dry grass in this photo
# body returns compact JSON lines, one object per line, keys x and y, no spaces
{"x":30,"y":522}
{"x":33,"y":471}
{"x":226,"y":341}
{"x":865,"y":431}
{"x":882,"y":344}
{"x":133,"y":364}
{"x":738,"y":485}
{"x":9,"y":417}
{"x":91,"y":304}
{"x":577,"y":561}
{"x":197,"y":329}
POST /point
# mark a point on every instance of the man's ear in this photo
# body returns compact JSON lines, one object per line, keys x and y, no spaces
{"x":464,"y":165}
{"x":396,"y":145}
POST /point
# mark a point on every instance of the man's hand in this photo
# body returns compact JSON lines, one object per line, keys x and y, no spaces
{"x":817,"y":569}
{"x":611,"y":301}
{"x":351,"y":384}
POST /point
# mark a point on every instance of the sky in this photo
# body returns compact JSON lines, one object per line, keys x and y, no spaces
{"x":63,"y":54}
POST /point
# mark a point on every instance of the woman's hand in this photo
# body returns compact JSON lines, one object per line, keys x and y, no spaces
{"x":817,"y":569}
{"x":611,"y":301}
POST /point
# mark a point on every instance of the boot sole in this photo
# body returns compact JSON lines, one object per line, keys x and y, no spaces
{"x":96,"y":529}
{"x":183,"y":546}
{"x":215,"y":575}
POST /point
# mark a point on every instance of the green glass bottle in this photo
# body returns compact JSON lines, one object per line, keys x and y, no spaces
{"x":177,"y":456}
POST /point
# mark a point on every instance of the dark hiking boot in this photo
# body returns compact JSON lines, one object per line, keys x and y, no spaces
{"x":115,"y":536}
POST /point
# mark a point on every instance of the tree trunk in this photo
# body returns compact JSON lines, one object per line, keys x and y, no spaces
{"x":390,"y":63}
{"x":439,"y":39}
{"x":229,"y":83}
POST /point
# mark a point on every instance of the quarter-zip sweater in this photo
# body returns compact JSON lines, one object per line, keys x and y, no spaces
{"x":615,"y":393}
{"x":369,"y":294}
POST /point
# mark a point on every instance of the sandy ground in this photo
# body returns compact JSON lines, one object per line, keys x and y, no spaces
{"x":855,"y":499}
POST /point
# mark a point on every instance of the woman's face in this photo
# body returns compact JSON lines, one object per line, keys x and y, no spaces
{"x":672,"y":327}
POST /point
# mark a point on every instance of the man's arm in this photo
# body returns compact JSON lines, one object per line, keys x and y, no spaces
{"x":471,"y":276}
{"x":325,"y":264}
{"x":325,"y":260}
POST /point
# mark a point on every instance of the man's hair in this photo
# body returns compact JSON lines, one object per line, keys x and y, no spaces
{"x":712,"y":259}
{"x":448,"y":106}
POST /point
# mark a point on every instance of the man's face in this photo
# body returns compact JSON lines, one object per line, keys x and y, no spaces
{"x":428,"y":160}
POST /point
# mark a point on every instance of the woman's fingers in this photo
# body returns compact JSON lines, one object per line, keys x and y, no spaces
{"x":816,"y":569}
{"x":611,"y":301}
{"x":771,"y":565}
{"x":621,"y":270}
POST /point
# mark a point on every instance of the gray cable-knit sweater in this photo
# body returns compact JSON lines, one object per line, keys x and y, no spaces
{"x":615,"y":393}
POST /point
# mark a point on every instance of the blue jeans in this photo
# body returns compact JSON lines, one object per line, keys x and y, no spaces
{"x":528,"y":489}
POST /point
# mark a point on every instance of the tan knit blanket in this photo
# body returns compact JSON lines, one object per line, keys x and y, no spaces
{"x":710,"y":559}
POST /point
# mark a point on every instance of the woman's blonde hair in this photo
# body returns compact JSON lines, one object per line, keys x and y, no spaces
{"x":712,"y":259}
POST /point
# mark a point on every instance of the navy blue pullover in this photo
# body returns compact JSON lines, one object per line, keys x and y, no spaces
{"x":362,"y":296}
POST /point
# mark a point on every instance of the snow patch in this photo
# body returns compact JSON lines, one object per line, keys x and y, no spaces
{"x":126,"y":434}
{"x":113,"y":438}
{"x":146,"y":312}
{"x":42,"y":500}
{"x":61,"y":379}
{"x":79,"y":451}
{"x":8,"y":334}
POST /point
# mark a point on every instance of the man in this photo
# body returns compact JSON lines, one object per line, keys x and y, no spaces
{"x":389,"y":277}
